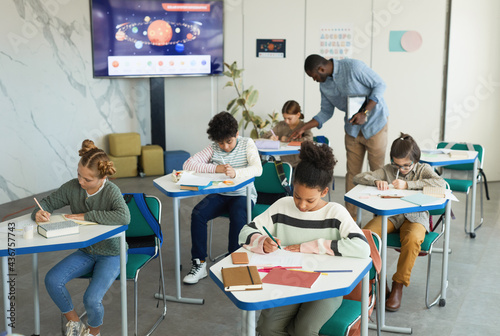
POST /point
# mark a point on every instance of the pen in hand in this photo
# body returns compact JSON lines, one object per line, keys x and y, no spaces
{"x":274,"y":240}
{"x":43,"y":215}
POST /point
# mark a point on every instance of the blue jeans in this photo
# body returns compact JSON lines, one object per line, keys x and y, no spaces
{"x":211,"y":207}
{"x":105,"y":270}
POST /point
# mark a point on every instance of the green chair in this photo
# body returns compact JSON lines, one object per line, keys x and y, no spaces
{"x":144,"y":238}
{"x":268,"y":182}
{"x":349,"y":312}
{"x":324,"y":139}
{"x":426,"y":249}
{"x":460,"y":178}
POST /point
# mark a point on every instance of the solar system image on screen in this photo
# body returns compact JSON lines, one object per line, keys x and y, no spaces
{"x":148,"y":38}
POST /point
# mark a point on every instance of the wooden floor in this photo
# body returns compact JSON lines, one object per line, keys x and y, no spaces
{"x":471,"y":308}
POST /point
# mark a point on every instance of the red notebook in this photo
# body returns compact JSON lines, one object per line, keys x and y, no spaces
{"x":282,"y":276}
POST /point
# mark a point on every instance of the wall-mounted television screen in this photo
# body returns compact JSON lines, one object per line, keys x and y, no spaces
{"x":149,"y":38}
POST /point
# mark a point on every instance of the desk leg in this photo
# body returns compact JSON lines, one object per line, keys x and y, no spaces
{"x":364,"y":305}
{"x":473,"y":203}
{"x":446,"y":246}
{"x":36,"y":294}
{"x":6,"y":302}
{"x":248,"y":323}
{"x":177,"y":269}
{"x":383,"y":279}
{"x":249,"y":204}
{"x":123,"y":282}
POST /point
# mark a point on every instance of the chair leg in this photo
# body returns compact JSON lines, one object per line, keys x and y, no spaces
{"x":467,"y":207}
{"x":164,"y":313}
{"x":220,"y":256}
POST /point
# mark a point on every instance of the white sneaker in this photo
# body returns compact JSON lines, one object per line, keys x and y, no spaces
{"x":198,"y":271}
{"x":74,"y":328}
{"x":86,"y":332}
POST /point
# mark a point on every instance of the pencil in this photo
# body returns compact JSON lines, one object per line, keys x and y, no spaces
{"x":274,"y":240}
{"x":38,"y":204}
{"x":273,"y":132}
{"x":397,"y":174}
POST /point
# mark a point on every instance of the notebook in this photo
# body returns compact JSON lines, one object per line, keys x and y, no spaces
{"x":354,"y":104}
{"x":438,"y":192}
{"x":241,"y":278}
{"x":62,"y":218}
{"x":239,"y":258}
{"x":58,"y":229}
{"x":282,"y":276}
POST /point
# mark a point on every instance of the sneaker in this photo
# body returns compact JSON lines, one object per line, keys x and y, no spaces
{"x":86,"y":332}
{"x":198,"y":271}
{"x":74,"y":328}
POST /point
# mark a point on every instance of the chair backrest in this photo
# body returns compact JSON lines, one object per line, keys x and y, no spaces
{"x":321,"y":139}
{"x":269,"y":181}
{"x":463,"y":146}
{"x":144,"y":231}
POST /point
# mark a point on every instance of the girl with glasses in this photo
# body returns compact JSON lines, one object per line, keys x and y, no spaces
{"x":404,"y":172}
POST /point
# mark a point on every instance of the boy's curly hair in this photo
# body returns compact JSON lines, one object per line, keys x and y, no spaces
{"x":222,"y":127}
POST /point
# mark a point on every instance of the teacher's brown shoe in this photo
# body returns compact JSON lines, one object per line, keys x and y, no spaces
{"x":394,"y":301}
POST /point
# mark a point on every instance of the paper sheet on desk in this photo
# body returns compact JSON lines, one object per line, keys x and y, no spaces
{"x":194,"y":180}
{"x":373,"y":191}
{"x":277,"y":258}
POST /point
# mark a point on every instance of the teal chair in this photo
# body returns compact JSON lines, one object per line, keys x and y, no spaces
{"x":144,"y":239}
{"x":349,"y":312}
{"x":324,"y":139}
{"x":268,"y":182}
{"x":426,"y":249}
{"x":460,"y":178}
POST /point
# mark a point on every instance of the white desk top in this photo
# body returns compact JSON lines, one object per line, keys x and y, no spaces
{"x":331,"y":285}
{"x":171,"y":189}
{"x":89,"y":234}
{"x":441,"y":157}
{"x":388,"y":206}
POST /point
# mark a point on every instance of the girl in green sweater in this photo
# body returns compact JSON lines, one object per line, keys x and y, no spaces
{"x":91,"y":197}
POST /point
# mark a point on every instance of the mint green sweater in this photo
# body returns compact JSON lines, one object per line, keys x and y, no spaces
{"x":106,"y":207}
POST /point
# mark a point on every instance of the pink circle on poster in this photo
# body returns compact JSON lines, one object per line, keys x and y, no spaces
{"x":411,"y":41}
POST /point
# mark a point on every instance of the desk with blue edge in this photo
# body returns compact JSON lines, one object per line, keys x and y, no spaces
{"x":16,"y":245}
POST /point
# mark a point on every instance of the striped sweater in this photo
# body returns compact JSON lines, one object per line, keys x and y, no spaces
{"x":329,"y":230}
{"x":244,"y":158}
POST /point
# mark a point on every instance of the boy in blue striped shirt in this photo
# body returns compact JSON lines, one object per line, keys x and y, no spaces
{"x":233,"y":156}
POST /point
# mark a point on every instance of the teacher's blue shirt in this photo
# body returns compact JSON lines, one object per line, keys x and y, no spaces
{"x":352,"y":78}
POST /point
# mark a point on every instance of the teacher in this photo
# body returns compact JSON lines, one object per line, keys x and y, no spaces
{"x":366,"y":131}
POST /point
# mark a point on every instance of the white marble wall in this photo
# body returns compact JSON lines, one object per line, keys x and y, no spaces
{"x":49,"y":101}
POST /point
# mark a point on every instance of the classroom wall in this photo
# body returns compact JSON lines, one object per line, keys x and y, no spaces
{"x":473,"y":98}
{"x":49,"y":102}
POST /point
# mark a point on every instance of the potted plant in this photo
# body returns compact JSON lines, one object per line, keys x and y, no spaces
{"x":245,"y":100}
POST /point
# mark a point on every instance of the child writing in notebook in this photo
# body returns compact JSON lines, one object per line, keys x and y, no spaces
{"x":305,"y":223}
{"x":404,"y":172}
{"x":293,"y":117}
{"x":233,"y":156}
{"x":91,"y":197}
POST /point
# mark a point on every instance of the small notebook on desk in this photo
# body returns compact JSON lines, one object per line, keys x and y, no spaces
{"x":62,"y":218}
{"x":195,"y":187}
{"x":241,"y":278}
{"x":457,"y":154}
{"x":58,"y":229}
{"x":297,"y":278}
{"x":438,"y":192}
{"x":239,"y":258}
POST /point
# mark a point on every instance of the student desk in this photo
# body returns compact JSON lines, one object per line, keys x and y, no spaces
{"x":15,"y":245}
{"x":386,"y":207}
{"x":167,"y":186}
{"x":331,"y":285}
{"x":442,"y":159}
